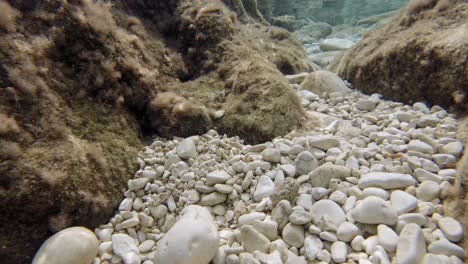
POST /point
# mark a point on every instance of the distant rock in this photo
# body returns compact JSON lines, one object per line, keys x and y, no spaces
{"x":336,"y":44}
{"x":320,"y":82}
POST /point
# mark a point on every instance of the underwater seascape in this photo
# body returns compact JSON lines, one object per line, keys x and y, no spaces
{"x":233,"y":131}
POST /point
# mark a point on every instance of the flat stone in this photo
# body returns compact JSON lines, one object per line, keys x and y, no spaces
{"x":339,"y":251}
{"x":415,"y":218}
{"x":403,"y":202}
{"x":300,"y":217}
{"x":442,"y":159}
{"x":186,"y":149}
{"x":271,"y":155}
{"x":374,"y":210}
{"x":321,"y":176}
{"x":146,"y":246}
{"x":74,"y":245}
{"x":294,"y":259}
{"x":265,"y":188}
{"x":125,"y":247}
{"x":137,"y":183}
{"x":423,"y":175}
{"x":294,"y":235}
{"x":253,"y":240}
{"x":386,"y":180}
{"x":215,"y":177}
{"x":336,"y":44}
{"x":433,"y":258}
{"x":327,"y":208}
{"x":289,"y":169}
{"x":452,"y":229}
{"x":323,"y":142}
{"x":388,"y":239}
{"x":223,"y":188}
{"x":192,"y":239}
{"x":268,"y":228}
{"x":347,"y":231}
{"x":404,"y":116}
{"x":213,"y":199}
{"x":445,"y":247}
{"x":411,"y":246}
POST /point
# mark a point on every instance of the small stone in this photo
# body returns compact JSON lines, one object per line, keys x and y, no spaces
{"x":159,"y":211}
{"x":305,"y":162}
{"x":215,"y":177}
{"x":445,"y":247}
{"x":253,"y":240}
{"x":124,"y":247}
{"x":213,"y":199}
{"x":323,"y":142}
{"x":300,"y":217}
{"x":137,"y":183}
{"x":327,"y":208}
{"x":186,"y":149}
{"x":403,"y":202}
{"x":289,"y":169}
{"x":249,"y":219}
{"x":328,"y":236}
{"x":374,"y":210}
{"x":312,"y":247}
{"x":404,"y":116}
{"x":427,"y":191}
{"x":433,"y":258}
{"x":420,"y":146}
{"x":386,"y":180}
{"x":192,"y":239}
{"x":146,"y":246}
{"x":339,"y":252}
{"x":265,"y":188}
{"x":415,"y":218}
{"x":268,"y":228}
{"x":223,"y":188}
{"x":411,"y":245}
{"x":74,"y":245}
{"x":452,"y":229}
{"x":453,"y":148}
{"x":423,"y":175}
{"x":321,"y":176}
{"x":388,"y":239}
{"x":294,"y":235}
{"x":271,"y":155}
{"x":347,"y":231}
{"x":366,"y":104}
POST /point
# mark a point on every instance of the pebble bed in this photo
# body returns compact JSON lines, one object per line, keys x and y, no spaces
{"x":365,"y":187}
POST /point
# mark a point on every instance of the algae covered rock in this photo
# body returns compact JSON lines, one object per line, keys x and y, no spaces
{"x":426,"y":39}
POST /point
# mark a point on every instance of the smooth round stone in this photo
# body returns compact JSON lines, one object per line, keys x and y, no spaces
{"x":347,"y":231}
{"x":411,"y":246}
{"x":294,"y":235}
{"x":420,"y":146}
{"x":403,"y":202}
{"x":265,"y":188}
{"x":321,"y":176}
{"x":305,"y":162}
{"x":300,"y":217}
{"x":339,"y":252}
{"x":186,"y":149}
{"x":427,"y":191}
{"x":374,"y":210}
{"x":192,"y":239}
{"x":415,"y":218}
{"x":452,"y":229}
{"x":433,"y":258}
{"x":268,"y":228}
{"x":388,"y":239}
{"x":271,"y":155}
{"x":213,"y":199}
{"x":445,"y":247}
{"x":137,"y":183}
{"x":323,"y":142}
{"x":74,"y":245}
{"x":327,"y":208}
{"x":249,"y":219}
{"x":366,"y":104}
{"x":404,"y":116}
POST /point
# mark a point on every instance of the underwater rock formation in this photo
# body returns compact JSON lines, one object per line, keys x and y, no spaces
{"x":81,"y":83}
{"x":419,"y":56}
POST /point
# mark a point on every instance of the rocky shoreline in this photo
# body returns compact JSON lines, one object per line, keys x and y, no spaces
{"x":367,"y":187}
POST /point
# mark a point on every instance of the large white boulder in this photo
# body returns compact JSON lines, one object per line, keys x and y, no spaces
{"x":74,"y":245}
{"x":193,"y":239}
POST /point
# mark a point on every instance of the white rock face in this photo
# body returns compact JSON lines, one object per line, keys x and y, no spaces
{"x":265,"y":188}
{"x":374,"y":210}
{"x":452,"y":229}
{"x":386,"y":180}
{"x":186,"y":149}
{"x":327,"y":208}
{"x":411,"y":245}
{"x":124,"y":246}
{"x":74,"y":245}
{"x":193,"y":239}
